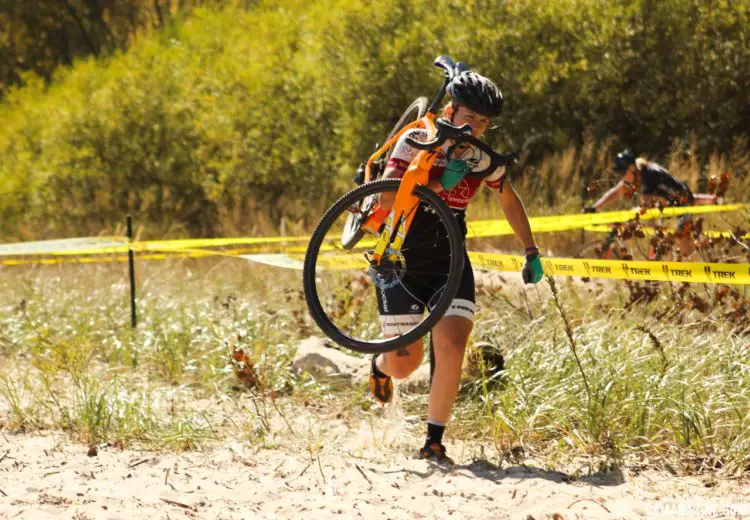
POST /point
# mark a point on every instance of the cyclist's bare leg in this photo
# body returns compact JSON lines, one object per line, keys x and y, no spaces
{"x":686,"y":247}
{"x":449,"y":337}
{"x":402,"y":362}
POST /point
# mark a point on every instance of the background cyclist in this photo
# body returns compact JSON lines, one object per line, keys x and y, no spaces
{"x":656,"y":184}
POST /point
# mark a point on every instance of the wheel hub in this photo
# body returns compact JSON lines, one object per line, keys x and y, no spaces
{"x":390,"y":271}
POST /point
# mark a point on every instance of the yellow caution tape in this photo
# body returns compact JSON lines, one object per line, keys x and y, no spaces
{"x":196,"y":243}
{"x":169,"y":255}
{"x":114,"y":245}
{"x":100,"y":259}
{"x":68,"y":246}
{"x":103,"y":254}
{"x":476,"y":229}
{"x":694,"y":272}
{"x":487,"y":228}
{"x":652,"y":231}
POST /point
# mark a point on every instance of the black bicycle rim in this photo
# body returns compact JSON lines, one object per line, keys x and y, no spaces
{"x":437,"y":308}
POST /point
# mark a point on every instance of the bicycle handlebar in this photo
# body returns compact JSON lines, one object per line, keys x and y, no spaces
{"x":450,"y":69}
{"x":460,"y":135}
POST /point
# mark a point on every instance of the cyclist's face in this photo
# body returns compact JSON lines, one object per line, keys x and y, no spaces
{"x":478,"y":123}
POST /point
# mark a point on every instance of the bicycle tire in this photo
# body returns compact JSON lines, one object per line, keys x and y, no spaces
{"x":416,"y":110}
{"x":312,"y":298}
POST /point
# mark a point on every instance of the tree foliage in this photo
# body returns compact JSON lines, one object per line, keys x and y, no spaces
{"x":40,"y":35}
{"x":272,"y":104}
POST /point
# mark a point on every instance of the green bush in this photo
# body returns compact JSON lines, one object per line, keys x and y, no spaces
{"x":233,"y":113}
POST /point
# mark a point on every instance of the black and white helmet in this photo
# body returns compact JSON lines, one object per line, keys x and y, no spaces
{"x":477,"y":93}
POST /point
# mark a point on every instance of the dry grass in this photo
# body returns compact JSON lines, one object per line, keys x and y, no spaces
{"x":586,"y":372}
{"x":675,"y":389}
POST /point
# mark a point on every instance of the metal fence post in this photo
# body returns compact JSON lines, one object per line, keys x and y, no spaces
{"x":131,"y":270}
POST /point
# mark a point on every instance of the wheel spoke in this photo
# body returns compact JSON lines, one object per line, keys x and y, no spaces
{"x":346,"y":304}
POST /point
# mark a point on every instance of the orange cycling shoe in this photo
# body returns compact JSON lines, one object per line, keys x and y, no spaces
{"x":436,"y":453}
{"x":381,"y":385}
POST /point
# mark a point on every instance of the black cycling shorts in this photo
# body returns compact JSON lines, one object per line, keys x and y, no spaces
{"x":426,"y":253}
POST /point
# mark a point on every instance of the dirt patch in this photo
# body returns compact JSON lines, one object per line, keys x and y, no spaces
{"x":355,"y":469}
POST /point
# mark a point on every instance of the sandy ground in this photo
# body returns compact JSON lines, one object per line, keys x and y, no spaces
{"x":332,"y":468}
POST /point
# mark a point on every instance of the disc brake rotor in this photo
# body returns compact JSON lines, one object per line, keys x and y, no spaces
{"x":390,"y":271}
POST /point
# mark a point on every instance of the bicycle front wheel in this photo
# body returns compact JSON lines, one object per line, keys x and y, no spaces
{"x":371,"y":309}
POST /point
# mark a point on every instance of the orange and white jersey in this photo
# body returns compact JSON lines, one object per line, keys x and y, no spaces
{"x":458,"y":197}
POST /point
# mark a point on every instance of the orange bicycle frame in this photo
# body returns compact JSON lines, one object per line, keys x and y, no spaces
{"x":404,"y":207}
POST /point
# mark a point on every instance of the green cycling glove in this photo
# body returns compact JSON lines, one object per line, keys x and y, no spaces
{"x":454,"y":172}
{"x":532,"y":270}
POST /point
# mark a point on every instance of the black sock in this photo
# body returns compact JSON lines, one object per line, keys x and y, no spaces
{"x":375,"y":369}
{"x":434,"y":433}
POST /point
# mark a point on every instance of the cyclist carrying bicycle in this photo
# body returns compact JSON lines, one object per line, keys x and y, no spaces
{"x":475,"y":100}
{"x":657,"y":185}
